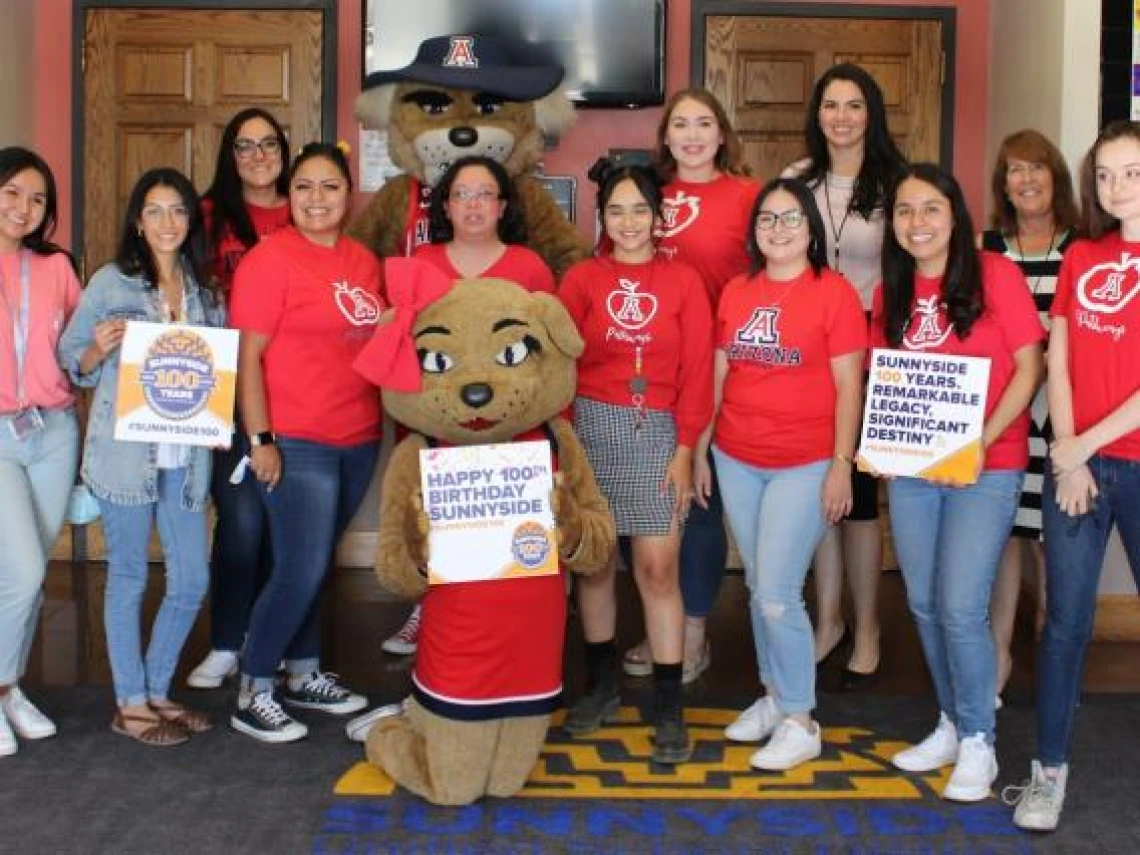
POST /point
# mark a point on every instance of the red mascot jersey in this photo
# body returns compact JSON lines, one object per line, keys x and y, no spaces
{"x":493,"y":649}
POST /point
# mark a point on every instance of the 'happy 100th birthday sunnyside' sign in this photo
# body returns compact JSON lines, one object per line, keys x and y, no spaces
{"x":489,"y":510}
{"x":176,"y":384}
{"x":924,"y":415}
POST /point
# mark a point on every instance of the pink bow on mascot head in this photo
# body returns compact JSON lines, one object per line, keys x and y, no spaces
{"x":389,"y":359}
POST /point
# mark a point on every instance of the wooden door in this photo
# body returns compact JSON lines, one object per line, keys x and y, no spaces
{"x":160,"y":85}
{"x":763,"y":69}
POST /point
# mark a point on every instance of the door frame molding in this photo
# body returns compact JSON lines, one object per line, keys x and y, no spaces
{"x":946,"y":15}
{"x":328,"y":8}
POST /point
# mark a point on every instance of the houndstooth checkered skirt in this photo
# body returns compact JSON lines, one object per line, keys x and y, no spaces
{"x":629,"y":464}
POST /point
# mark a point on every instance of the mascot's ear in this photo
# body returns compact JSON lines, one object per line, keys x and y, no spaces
{"x":559,"y":325}
{"x":374,"y":107}
{"x":555,"y":113}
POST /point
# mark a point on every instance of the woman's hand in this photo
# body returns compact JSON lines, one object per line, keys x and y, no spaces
{"x":702,"y":481}
{"x":837,"y":492}
{"x":679,"y":476}
{"x":108,"y":336}
{"x":265,"y":463}
{"x":1068,"y":454}
{"x":1076,"y":491}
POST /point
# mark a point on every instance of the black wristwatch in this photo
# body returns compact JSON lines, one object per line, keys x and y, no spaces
{"x":256,"y":440}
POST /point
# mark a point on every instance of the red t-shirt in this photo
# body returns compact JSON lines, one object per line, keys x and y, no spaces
{"x":225,"y":255}
{"x":658,"y":308}
{"x":319,"y":306}
{"x":706,"y":226}
{"x":518,"y":264}
{"x":1008,"y":323}
{"x":778,"y":401}
{"x":1096,"y":293}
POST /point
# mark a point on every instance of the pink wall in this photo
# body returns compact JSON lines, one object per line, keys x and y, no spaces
{"x":595,"y":132}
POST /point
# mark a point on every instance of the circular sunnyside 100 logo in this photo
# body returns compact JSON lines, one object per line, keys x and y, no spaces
{"x":530,"y":545}
{"x":178,"y":374}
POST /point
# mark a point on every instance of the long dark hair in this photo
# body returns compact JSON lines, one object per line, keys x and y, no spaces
{"x":225,"y":193}
{"x":511,"y":228}
{"x":729,"y":156}
{"x":817,"y":240}
{"x":1095,"y":220}
{"x":1034,"y":147}
{"x":882,"y":159}
{"x":14,"y":160}
{"x":961,"y":283}
{"x":134,"y":256}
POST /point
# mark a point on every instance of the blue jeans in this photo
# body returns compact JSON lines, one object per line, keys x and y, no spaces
{"x":320,"y":489}
{"x":242,"y":556}
{"x":1074,"y":557}
{"x":704,"y":552}
{"x":36,"y":476}
{"x":776,"y":516}
{"x":949,"y":541}
{"x":184,"y":545}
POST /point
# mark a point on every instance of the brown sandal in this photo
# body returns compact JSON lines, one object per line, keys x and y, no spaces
{"x":192,"y":721}
{"x":160,"y":734}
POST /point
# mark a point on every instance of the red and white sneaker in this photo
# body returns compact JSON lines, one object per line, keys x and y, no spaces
{"x":403,"y":642}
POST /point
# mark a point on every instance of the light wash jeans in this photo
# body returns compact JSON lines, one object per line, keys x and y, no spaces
{"x":949,"y":541}
{"x":776,"y":516}
{"x":1074,"y":558}
{"x":36,"y":477}
{"x":184,"y":545}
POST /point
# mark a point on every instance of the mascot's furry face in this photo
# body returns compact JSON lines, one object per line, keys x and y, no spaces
{"x":495,"y":361}
{"x":431,"y":126}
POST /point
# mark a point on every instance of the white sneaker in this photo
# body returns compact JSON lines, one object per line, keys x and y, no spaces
{"x":8,"y":744}
{"x":974,"y":772}
{"x":1039,"y":800}
{"x":23,"y":716}
{"x":264,"y":720}
{"x":404,"y":641}
{"x":791,"y":745}
{"x":358,"y":729}
{"x":214,"y":669}
{"x":757,"y":722}
{"x":939,"y":749}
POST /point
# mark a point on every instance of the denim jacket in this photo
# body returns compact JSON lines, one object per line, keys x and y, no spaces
{"x":127,"y":472}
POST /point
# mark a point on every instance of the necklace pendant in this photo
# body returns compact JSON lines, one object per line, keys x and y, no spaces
{"x":637,"y":385}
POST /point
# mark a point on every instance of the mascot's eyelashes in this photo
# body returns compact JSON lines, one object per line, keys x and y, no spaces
{"x":435,"y":361}
{"x":431,"y":101}
{"x":517,"y":353}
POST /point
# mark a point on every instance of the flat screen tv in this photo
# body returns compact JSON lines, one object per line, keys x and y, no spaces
{"x":613,"y":51}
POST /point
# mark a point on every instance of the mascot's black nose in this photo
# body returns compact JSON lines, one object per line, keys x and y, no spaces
{"x":462,"y":137}
{"x":476,"y":394}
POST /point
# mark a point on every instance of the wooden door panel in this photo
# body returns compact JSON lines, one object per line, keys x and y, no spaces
{"x":764,"y":68}
{"x":183,"y":73}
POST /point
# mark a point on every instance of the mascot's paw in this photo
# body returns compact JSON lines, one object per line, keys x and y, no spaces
{"x":416,"y":529}
{"x":564,"y":506}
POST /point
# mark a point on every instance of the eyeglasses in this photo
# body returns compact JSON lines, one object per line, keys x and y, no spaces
{"x":482,"y":196}
{"x":157,"y":213}
{"x":246,"y":148}
{"x":790,"y":220}
{"x":1023,"y":170}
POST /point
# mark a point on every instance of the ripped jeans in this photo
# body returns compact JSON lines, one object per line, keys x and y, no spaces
{"x":776,"y":517}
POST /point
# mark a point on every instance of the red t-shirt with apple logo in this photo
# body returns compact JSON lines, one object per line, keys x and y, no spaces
{"x":705,"y":225}
{"x":778,"y":401}
{"x":318,"y":306}
{"x":1097,"y":294}
{"x":1008,"y":323}
{"x":659,"y":307}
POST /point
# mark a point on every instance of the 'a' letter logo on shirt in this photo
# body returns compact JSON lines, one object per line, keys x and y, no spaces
{"x":928,"y":328}
{"x":762,"y":328}
{"x":678,"y":212}
{"x":1111,"y":286}
{"x":629,"y":308}
{"x":461,"y":54}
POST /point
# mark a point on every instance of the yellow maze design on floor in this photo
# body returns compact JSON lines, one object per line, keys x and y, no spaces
{"x":614,"y":764}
